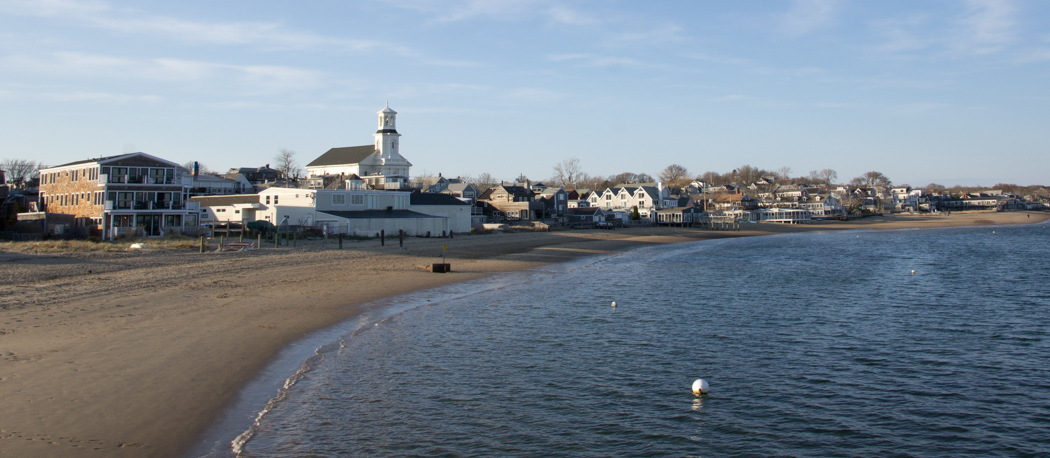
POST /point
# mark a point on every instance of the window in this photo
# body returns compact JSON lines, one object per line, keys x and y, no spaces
{"x":275,"y":200}
{"x":373,"y":201}
{"x":338,"y":199}
{"x":267,"y":200}
{"x":357,"y":199}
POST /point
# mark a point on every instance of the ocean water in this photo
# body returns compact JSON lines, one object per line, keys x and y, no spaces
{"x":817,"y":344}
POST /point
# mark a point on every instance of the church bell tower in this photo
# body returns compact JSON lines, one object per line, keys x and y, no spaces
{"x":387,"y":136}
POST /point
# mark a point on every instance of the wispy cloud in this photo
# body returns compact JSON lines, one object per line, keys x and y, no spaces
{"x":988,"y":26}
{"x":534,"y":95}
{"x":983,"y":27}
{"x":104,"y":97}
{"x":267,"y":78}
{"x":464,"y":10}
{"x":101,"y":15}
{"x":588,"y":60}
{"x":657,"y":35}
{"x":806,"y":16}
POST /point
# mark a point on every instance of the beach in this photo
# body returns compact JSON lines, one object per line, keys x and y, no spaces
{"x":135,"y":353}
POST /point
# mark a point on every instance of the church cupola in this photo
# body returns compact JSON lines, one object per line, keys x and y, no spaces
{"x":386,"y":136}
{"x":387,"y":120}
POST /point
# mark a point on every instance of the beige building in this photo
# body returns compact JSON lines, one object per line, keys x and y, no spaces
{"x":134,"y":194}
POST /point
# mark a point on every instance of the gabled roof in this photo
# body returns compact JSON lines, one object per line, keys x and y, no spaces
{"x":102,"y":160}
{"x":343,"y":156}
{"x":460,"y":187}
{"x":426,"y":198}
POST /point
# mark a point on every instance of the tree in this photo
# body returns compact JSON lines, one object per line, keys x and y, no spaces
{"x":825,"y":176}
{"x":201,"y":168}
{"x":712,"y":178}
{"x":783,"y":173}
{"x":623,"y":178}
{"x":286,"y":164}
{"x":872,"y":179}
{"x":20,"y":171}
{"x":485,"y":181}
{"x":747,"y":174}
{"x":567,"y":173}
{"x":675,"y":176}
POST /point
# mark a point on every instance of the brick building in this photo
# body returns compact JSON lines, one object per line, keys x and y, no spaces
{"x":135,"y":194}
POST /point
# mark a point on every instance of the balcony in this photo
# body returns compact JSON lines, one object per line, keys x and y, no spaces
{"x":126,"y":179}
{"x":144,"y":206}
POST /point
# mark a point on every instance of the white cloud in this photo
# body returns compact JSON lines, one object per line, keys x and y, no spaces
{"x":807,"y":16}
{"x":662,"y":34}
{"x":597,"y":61}
{"x":269,"y":78}
{"x":988,"y":26}
{"x":102,"y":16}
{"x":567,"y":16}
{"x":105,"y":97}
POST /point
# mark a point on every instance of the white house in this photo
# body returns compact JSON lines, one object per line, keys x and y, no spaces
{"x":380,"y":165}
{"x":457,"y":211}
{"x":238,"y":208}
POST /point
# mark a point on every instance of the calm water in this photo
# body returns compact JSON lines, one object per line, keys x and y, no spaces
{"x":813,"y":345}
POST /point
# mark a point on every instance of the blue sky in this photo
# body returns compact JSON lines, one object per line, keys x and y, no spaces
{"x":952,"y":92}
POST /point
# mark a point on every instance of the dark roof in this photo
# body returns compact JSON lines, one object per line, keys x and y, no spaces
{"x":207,"y":201}
{"x":379,"y":214}
{"x":428,"y":198}
{"x":344,"y":155}
{"x":88,"y":161}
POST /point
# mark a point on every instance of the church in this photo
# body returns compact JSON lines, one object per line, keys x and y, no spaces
{"x":379,"y":166}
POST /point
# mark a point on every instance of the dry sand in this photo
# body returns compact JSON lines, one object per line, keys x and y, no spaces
{"x":134,"y":354}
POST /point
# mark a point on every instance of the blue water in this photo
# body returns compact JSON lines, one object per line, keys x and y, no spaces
{"x":817,"y":344}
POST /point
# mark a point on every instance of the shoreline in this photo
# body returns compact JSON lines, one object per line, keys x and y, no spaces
{"x":139,"y":353}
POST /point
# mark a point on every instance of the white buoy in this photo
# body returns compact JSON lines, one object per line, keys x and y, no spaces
{"x":913,"y":272}
{"x":700,"y":386}
{"x":614,"y":304}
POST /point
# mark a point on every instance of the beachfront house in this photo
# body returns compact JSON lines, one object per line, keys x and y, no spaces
{"x":131,"y":194}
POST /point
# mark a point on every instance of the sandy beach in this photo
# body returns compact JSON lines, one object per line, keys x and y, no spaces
{"x":136,"y":353}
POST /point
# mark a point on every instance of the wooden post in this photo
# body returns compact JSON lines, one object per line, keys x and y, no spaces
{"x":401,"y":237}
{"x":276,"y":240}
{"x":382,"y":237}
{"x":340,"y":241}
{"x":258,"y":240}
{"x":202,"y":244}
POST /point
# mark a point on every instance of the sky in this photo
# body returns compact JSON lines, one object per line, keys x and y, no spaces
{"x":952,"y":92}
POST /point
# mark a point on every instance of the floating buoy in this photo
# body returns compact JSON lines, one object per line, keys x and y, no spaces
{"x":913,"y":272}
{"x":699,"y":386}
{"x":614,"y":304}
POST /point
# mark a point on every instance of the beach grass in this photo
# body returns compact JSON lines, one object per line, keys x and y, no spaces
{"x":174,"y":242}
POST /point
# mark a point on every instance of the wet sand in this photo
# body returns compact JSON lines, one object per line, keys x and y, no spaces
{"x":136,"y":353}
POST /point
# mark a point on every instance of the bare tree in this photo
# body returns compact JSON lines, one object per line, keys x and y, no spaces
{"x":567,"y":173}
{"x":201,"y":168}
{"x":783,"y":173}
{"x":286,"y":164}
{"x":485,"y":181}
{"x":624,"y":178}
{"x":712,"y":178}
{"x":825,"y":176}
{"x":872,"y":179}
{"x":675,"y":176}
{"x":747,"y":174}
{"x":21,"y":171}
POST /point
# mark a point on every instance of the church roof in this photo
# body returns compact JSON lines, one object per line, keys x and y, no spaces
{"x":344,"y":155}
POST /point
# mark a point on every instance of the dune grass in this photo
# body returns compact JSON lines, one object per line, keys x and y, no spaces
{"x":174,"y":242}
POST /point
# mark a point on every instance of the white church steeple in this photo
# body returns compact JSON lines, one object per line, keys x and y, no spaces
{"x":386,"y":136}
